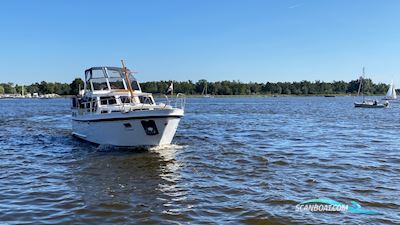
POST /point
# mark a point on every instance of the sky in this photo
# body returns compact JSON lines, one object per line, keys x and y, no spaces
{"x":246,"y":40}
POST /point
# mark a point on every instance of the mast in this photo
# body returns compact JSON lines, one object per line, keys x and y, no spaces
{"x":360,"y":87}
{"x":125,"y":70}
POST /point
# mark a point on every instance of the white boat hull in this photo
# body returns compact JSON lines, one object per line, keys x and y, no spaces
{"x":367,"y":105}
{"x":389,"y":98}
{"x":134,"y":129}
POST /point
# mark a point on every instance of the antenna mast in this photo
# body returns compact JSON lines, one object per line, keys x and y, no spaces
{"x":125,"y":70}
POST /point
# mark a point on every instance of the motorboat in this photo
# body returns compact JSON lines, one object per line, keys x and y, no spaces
{"x":113,"y":110}
{"x":367,"y":103}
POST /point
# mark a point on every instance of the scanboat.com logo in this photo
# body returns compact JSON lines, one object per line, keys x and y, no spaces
{"x":329,"y":205}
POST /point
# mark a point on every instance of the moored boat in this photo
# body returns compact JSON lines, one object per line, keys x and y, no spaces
{"x":113,"y":110}
{"x":371,"y":104}
{"x":367,"y":103}
{"x":204,"y":92}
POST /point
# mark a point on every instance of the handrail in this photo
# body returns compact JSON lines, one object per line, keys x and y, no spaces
{"x":178,"y":102}
{"x":168,"y":101}
{"x":181,"y":99}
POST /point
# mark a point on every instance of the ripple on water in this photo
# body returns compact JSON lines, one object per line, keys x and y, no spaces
{"x":233,"y":160}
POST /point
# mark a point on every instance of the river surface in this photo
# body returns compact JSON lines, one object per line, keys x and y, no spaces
{"x":233,"y":161}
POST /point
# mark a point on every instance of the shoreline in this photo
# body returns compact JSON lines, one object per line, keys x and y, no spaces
{"x":217,"y":96}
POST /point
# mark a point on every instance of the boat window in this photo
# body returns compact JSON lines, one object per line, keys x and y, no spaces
{"x":87,"y":75}
{"x":114,"y":73}
{"x":108,"y":100}
{"x":98,"y":74}
{"x":145,"y":100}
{"x":115,"y":79}
{"x":99,"y":84}
{"x":125,"y":99}
{"x":135,"y":85}
{"x":116,"y":83}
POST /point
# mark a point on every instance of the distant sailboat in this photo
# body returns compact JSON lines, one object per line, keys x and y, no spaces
{"x":204,"y":93}
{"x":391,"y":93}
{"x":366,"y":103}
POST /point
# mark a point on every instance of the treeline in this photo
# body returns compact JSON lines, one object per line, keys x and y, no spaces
{"x":43,"y":88}
{"x":216,"y":88}
{"x":268,"y":88}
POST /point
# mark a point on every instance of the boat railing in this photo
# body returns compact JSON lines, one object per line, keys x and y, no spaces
{"x":179,"y":101}
{"x":87,"y":108}
{"x":126,"y":105}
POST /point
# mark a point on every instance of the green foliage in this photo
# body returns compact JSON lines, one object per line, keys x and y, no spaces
{"x":75,"y":85}
{"x":286,"y":88}
{"x":9,"y":88}
{"x":216,"y":88}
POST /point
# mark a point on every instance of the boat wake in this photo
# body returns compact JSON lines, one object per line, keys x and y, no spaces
{"x":167,"y":147}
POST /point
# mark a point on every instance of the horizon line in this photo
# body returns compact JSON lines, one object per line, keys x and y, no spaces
{"x":210,"y":81}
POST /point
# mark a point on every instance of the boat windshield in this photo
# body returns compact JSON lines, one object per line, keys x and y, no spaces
{"x":104,"y":78}
{"x":134,"y":83}
{"x":116,"y":79}
{"x":98,"y":80}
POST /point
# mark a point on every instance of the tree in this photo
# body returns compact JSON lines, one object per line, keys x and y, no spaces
{"x":1,"y":90}
{"x":353,"y":86}
{"x":74,"y":86}
{"x":149,"y":87}
{"x":286,"y":91}
{"x":9,"y":88}
{"x":33,"y":88}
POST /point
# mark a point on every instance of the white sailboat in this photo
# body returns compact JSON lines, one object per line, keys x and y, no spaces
{"x":391,"y":93}
{"x":204,"y":92}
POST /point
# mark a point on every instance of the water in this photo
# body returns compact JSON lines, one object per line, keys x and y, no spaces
{"x":234,"y":160}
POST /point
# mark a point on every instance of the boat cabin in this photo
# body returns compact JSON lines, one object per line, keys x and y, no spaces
{"x":107,"y":90}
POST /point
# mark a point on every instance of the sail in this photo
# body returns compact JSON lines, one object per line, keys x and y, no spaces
{"x":204,"y":92}
{"x":394,"y":95}
{"x":391,"y":93}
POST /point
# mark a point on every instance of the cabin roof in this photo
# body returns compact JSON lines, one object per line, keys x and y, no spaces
{"x":102,"y":67}
{"x":88,"y":72}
